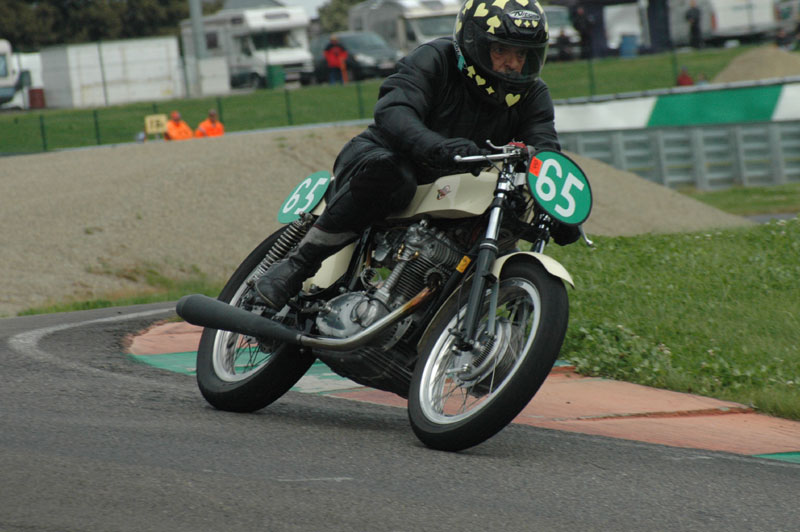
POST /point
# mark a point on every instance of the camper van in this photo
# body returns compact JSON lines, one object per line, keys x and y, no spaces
{"x":8,"y":73}
{"x":252,"y":40}
{"x":405,"y":24}
{"x":724,"y":20}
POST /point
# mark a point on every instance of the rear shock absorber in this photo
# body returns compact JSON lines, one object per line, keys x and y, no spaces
{"x":288,"y":240}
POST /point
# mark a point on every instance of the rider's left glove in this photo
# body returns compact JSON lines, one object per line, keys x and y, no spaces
{"x":564,"y":234}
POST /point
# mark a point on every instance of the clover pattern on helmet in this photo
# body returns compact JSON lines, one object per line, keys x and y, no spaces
{"x":520,"y":23}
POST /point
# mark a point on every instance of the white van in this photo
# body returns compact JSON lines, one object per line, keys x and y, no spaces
{"x":722,"y":20}
{"x":405,"y":24}
{"x":251,"y":40}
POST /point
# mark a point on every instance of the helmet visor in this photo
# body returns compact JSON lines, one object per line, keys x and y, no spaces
{"x":509,"y":60}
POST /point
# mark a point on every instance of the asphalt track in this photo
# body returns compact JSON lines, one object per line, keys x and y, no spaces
{"x":91,"y":440}
{"x":567,"y":401}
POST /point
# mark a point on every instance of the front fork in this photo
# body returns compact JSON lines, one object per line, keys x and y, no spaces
{"x":483,"y":277}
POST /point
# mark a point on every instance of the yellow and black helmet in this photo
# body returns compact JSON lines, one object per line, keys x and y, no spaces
{"x":515,"y":23}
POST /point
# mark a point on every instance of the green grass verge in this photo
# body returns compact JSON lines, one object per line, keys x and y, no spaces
{"x":712,"y":313}
{"x":746,"y":201}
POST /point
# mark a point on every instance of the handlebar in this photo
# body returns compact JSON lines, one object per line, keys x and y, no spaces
{"x":512,"y":150}
{"x":479,"y":158}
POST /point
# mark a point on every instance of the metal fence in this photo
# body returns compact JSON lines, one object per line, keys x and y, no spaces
{"x":706,"y":157}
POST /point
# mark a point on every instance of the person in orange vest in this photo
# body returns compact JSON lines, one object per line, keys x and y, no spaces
{"x":336,"y":57}
{"x":211,"y":126}
{"x":177,"y":129}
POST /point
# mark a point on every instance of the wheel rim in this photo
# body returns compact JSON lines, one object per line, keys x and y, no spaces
{"x":445,"y":396}
{"x":237,"y":357}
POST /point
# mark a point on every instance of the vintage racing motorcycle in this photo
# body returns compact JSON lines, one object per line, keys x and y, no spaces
{"x":437,"y":304}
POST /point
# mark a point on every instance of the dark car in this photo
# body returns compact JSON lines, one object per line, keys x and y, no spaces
{"x":368,"y":55}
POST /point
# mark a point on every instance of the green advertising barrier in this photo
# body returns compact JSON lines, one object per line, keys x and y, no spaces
{"x":751,"y":104}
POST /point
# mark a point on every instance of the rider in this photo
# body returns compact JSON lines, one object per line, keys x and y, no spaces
{"x":447,"y":98}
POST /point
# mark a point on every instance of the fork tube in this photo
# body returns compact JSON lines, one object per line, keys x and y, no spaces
{"x":486,"y":257}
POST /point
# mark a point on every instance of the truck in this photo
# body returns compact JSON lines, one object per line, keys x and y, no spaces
{"x":260,"y":45}
{"x":405,"y":24}
{"x":723,"y":20}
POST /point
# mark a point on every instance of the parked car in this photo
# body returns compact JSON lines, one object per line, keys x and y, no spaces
{"x":368,"y":55}
{"x":558,"y":21}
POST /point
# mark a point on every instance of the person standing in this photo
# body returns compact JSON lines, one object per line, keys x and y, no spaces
{"x":584,"y":25}
{"x":211,"y":126}
{"x":693,"y":16}
{"x":177,"y":129}
{"x":336,"y":57}
{"x":684,"y":78}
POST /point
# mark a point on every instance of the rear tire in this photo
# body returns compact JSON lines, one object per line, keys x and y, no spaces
{"x":238,"y":373}
{"x":452,"y":407}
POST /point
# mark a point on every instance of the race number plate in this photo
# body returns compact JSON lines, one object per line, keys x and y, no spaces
{"x":560,"y":187}
{"x":304,"y":197}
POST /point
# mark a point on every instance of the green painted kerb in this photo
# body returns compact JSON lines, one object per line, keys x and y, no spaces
{"x":177,"y":362}
{"x":752,"y":104}
{"x":783,"y":457}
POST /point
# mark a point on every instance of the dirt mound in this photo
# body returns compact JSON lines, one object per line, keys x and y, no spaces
{"x":96,"y":222}
{"x":760,"y":63}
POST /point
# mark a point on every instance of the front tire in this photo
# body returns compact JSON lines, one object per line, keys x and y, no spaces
{"x":239,"y":373}
{"x":456,"y":403}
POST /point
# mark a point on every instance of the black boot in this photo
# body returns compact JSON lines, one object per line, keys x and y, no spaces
{"x":285,"y":278}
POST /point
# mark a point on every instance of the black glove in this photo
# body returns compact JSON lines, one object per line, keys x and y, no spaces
{"x":441,"y":154}
{"x":564,"y":234}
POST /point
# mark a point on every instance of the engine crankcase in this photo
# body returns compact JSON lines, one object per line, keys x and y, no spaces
{"x":349,"y":314}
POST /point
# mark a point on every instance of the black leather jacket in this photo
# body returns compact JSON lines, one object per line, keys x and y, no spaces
{"x":429,"y":100}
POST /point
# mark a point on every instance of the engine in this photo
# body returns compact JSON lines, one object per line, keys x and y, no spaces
{"x":419,"y":257}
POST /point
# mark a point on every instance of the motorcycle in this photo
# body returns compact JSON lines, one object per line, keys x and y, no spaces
{"x":435,"y":304}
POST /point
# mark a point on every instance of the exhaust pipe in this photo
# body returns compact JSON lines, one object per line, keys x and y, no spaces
{"x":204,"y":311}
{"x":215,"y":314}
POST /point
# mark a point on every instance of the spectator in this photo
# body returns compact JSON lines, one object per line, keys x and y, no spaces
{"x":177,"y":129}
{"x":211,"y":126}
{"x":701,"y":79}
{"x":684,"y":78}
{"x":336,"y":57}
{"x":584,"y":25}
{"x":564,"y":46}
{"x":693,"y":16}
{"x":784,"y":40}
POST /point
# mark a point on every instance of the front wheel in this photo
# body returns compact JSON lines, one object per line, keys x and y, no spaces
{"x":459,"y":399}
{"x":240,"y":373}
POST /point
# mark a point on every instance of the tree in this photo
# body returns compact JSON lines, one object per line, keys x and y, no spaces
{"x":333,"y":15}
{"x":33,"y":24}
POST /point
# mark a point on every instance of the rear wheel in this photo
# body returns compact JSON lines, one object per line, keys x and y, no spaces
{"x":240,"y":373}
{"x":460,"y":399}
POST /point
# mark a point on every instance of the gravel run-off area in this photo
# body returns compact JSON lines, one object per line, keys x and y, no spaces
{"x":87,"y":223}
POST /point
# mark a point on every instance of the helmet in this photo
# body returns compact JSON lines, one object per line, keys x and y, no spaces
{"x":483,"y":25}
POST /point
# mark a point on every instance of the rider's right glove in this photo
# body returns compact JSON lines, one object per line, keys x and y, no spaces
{"x":441,"y":155}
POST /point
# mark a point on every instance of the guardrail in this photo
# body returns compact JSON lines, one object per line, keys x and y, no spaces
{"x":706,"y":157}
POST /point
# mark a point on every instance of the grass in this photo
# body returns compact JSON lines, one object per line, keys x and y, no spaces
{"x":619,"y":75}
{"x":37,"y":131}
{"x":746,"y":201}
{"x":712,"y":313}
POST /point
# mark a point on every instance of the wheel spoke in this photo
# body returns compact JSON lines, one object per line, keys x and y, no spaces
{"x":450,"y":399}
